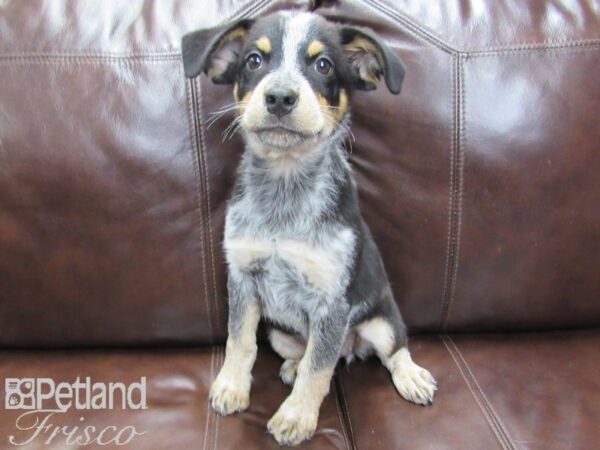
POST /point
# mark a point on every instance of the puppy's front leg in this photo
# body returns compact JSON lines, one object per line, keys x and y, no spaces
{"x":230,"y":392}
{"x":297,"y":417}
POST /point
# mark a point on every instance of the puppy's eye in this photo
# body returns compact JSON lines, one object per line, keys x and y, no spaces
{"x":254,"y":61}
{"x":323,"y":66}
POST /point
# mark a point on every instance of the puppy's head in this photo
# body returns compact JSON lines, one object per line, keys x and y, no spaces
{"x":292,"y":74}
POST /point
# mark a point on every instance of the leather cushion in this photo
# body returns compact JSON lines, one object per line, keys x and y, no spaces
{"x":509,"y":391}
{"x":178,"y":415}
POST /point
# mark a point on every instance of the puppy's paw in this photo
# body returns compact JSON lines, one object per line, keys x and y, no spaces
{"x":288,"y":371}
{"x":293,"y":423}
{"x":228,"y":396}
{"x":412,"y":382}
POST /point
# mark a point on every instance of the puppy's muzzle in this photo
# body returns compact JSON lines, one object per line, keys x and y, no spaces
{"x":281,"y":101}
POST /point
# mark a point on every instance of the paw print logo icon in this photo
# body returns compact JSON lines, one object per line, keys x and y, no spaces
{"x":19,"y":393}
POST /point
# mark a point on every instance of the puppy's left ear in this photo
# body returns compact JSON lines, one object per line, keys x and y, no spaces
{"x":214,"y":51}
{"x":370,"y":58}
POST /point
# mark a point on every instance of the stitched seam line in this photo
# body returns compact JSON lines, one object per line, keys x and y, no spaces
{"x":93,"y":56}
{"x":519,"y":47}
{"x":221,"y":360}
{"x":458,"y":188}
{"x":339,"y":414}
{"x":477,"y":399}
{"x":415,"y":29}
{"x":249,"y":9}
{"x":124,"y":59}
{"x":345,"y":412}
{"x":81,"y":61}
{"x":207,"y":205}
{"x":543,"y":50}
{"x":192,"y":111}
{"x":208,"y":408}
{"x":424,"y":33}
{"x":491,"y":407}
{"x":455,"y":194}
{"x":450,"y":237}
{"x":488,"y":411}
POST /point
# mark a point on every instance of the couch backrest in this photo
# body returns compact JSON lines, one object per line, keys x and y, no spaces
{"x":480,"y":181}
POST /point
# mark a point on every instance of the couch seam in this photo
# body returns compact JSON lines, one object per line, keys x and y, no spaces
{"x":83,"y":60}
{"x":453,"y":146}
{"x":157,"y":58}
{"x":415,"y":28}
{"x":456,"y":191}
{"x":208,"y":409}
{"x":428,"y":35}
{"x":192,"y":113}
{"x":208,"y":208}
{"x":523,"y":47}
{"x":249,"y":9}
{"x":341,"y":399}
{"x":491,"y":406}
{"x":339,"y":414}
{"x":220,"y":361}
{"x":484,"y":404}
{"x":93,"y":56}
{"x":565,"y":50}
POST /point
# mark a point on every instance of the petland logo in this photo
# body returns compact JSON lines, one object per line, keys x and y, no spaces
{"x":43,"y":400}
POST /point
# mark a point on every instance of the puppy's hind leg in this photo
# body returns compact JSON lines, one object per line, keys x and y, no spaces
{"x":297,"y":417}
{"x":387,"y":335}
{"x":289,"y":348}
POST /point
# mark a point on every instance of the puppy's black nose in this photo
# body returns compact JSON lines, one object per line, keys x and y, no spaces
{"x":281,"y":101}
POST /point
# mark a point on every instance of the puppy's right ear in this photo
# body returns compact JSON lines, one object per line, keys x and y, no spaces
{"x":214,"y":51}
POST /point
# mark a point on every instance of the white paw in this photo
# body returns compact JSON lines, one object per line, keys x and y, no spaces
{"x":229,"y":396}
{"x":412,"y":382}
{"x":288,"y":371}
{"x":293,"y":423}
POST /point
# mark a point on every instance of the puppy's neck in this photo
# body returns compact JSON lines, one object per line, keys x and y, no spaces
{"x":284,"y":192}
{"x":294,"y":163}
{"x":294,"y":168}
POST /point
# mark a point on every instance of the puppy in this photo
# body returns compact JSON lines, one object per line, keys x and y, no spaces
{"x":298,"y":252}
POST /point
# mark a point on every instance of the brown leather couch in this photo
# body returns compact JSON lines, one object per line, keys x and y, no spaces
{"x":480,"y":183}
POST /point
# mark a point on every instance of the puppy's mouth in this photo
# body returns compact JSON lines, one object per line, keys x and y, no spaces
{"x":281,"y":129}
{"x":282,"y":136}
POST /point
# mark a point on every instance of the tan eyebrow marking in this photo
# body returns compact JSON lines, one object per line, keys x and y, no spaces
{"x":263,"y":43}
{"x":314,"y":48}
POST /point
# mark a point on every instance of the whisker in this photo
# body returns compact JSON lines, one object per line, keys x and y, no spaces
{"x":216,"y":115}
{"x":223,"y":110}
{"x":229,"y":107}
{"x":232,"y":128}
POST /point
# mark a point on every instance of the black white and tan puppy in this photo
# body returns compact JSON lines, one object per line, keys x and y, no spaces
{"x":298,"y":252}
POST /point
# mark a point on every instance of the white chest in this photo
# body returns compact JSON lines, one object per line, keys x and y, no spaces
{"x":323,"y":266}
